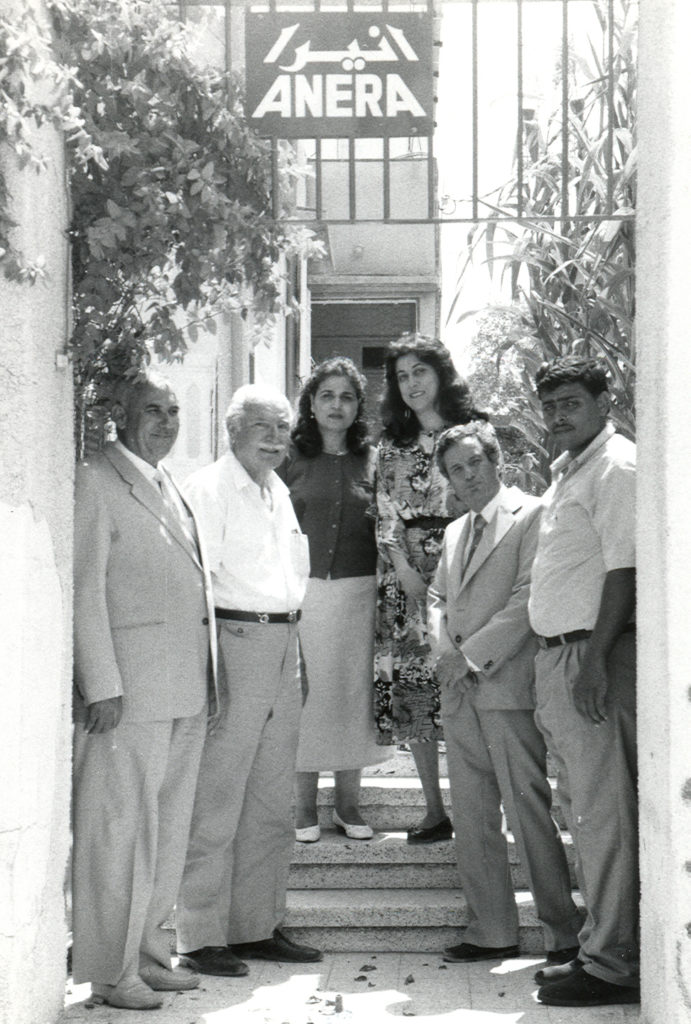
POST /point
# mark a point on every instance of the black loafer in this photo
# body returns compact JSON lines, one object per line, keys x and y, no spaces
{"x":217,"y":960}
{"x":467,"y":953}
{"x":280,"y":948}
{"x":557,"y":972}
{"x":435,"y":834}
{"x":561,"y":956}
{"x":583,"y":989}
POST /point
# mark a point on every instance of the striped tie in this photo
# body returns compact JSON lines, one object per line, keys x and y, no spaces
{"x":479,"y":525}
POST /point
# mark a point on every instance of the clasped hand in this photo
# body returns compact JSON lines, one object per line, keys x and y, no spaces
{"x":453,"y":672}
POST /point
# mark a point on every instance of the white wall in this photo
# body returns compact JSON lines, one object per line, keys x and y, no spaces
{"x":664,"y":417}
{"x":36,"y":474}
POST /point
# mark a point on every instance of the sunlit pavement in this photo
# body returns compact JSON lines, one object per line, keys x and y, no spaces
{"x":359,"y":988}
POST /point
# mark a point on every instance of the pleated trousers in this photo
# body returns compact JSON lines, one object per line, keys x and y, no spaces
{"x":597,"y":784}
{"x":242,"y":836}
{"x":132,"y":803}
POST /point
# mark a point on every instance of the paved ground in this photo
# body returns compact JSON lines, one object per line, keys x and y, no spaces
{"x":373,"y":989}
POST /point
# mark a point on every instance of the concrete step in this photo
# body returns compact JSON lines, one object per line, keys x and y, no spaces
{"x":394,"y":803}
{"x":393,"y":920}
{"x":386,"y":861}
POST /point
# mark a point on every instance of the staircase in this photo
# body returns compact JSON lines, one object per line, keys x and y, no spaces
{"x":384,"y":894}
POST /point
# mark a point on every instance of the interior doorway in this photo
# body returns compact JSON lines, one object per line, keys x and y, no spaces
{"x":362,"y":331}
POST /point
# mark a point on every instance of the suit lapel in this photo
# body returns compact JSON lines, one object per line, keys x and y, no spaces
{"x":493,"y":534}
{"x":147,"y":495}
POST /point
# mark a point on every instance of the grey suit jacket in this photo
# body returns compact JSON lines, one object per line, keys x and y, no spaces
{"x":143,"y":609}
{"x":485,"y":613}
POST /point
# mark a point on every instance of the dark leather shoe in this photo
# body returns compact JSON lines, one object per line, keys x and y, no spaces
{"x":557,"y":972}
{"x":561,"y":956}
{"x":280,"y":948}
{"x":583,"y":989}
{"x":435,"y":834}
{"x":467,"y":953}
{"x":218,"y":960}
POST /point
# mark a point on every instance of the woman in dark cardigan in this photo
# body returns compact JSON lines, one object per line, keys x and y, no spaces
{"x":330,"y":473}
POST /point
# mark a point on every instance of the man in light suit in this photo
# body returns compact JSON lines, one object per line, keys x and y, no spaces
{"x":479,"y":631}
{"x":144,"y":648}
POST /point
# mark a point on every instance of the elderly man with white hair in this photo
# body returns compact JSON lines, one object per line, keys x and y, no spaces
{"x":233,"y":893}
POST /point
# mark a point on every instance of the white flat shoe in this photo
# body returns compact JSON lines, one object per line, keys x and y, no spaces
{"x":129,"y":994}
{"x":164,"y":979}
{"x":311,"y":834}
{"x":353,"y":831}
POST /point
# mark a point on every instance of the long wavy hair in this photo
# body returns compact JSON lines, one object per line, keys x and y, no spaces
{"x":306,"y":434}
{"x":454,"y":402}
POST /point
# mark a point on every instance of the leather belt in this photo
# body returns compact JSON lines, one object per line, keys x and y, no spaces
{"x":428,"y":523}
{"x":263,"y":617}
{"x":578,"y":634}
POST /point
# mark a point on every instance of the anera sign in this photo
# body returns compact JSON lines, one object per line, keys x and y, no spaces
{"x":338,"y":75}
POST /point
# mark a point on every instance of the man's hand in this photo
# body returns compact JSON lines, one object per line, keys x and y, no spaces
{"x":103,"y":715}
{"x":450,"y":667}
{"x":589,"y":692}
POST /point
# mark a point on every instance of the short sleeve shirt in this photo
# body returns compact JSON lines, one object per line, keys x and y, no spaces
{"x":587,"y":529}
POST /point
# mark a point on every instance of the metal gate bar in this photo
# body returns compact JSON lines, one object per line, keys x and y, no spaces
{"x":568,"y":117}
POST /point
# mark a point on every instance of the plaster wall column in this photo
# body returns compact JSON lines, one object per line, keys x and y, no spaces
{"x":36,"y":495}
{"x":664,"y":509}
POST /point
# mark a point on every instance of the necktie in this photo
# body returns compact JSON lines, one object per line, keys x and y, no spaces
{"x":479,"y":525}
{"x":176,"y":508}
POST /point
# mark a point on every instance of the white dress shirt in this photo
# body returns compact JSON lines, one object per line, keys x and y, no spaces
{"x":258,"y":557}
{"x":587,"y":530}
{"x":488,"y":513}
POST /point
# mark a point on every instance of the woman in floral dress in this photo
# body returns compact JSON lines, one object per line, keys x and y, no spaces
{"x":423,"y":394}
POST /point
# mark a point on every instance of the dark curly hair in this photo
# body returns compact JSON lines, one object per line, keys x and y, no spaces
{"x":305,"y":434}
{"x":591,"y":373}
{"x":454,"y":402}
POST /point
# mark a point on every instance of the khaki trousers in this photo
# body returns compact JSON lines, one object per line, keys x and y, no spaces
{"x":597,"y":789}
{"x":133,"y":795}
{"x":498,"y":757}
{"x":242,"y":836}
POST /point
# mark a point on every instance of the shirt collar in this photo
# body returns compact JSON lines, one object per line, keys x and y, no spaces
{"x":490,"y":509}
{"x":568,"y":463}
{"x":151,"y":473}
{"x":242,"y":479}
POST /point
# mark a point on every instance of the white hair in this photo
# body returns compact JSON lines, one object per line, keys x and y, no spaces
{"x":249,"y":396}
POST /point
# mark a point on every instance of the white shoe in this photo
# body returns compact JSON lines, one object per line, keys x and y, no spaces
{"x":311,"y":834}
{"x":130,"y":993}
{"x":353,"y":831}
{"x":165,"y":979}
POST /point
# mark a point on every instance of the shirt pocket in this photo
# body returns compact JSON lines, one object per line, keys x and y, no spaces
{"x":300,"y":553}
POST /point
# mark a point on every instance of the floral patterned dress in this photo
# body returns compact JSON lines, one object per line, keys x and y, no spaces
{"x":414,"y":504}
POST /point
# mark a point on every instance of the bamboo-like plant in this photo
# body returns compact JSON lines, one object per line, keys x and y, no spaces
{"x":568,"y":255}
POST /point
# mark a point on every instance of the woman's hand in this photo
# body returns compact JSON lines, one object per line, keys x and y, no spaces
{"x":412,"y":582}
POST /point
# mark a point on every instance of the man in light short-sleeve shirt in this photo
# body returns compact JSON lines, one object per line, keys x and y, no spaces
{"x":581,"y":608}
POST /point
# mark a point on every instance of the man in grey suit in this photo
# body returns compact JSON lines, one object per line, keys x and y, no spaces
{"x":479,"y":631}
{"x":144,"y":650}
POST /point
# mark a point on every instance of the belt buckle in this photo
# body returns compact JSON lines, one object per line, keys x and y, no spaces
{"x":263,"y":617}
{"x":292,"y":616}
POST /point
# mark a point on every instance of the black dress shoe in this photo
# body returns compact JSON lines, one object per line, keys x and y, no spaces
{"x":217,"y":960}
{"x":435,"y":834}
{"x":557,"y":972}
{"x":467,"y":953}
{"x":561,"y":956}
{"x":279,"y":947}
{"x":583,"y":989}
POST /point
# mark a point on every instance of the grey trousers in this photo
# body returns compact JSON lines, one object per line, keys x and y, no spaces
{"x":242,"y":836}
{"x":133,"y":795}
{"x":498,"y":757}
{"x":597,"y":784}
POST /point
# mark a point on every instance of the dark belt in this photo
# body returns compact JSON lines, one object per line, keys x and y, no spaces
{"x":263,"y":617}
{"x":577,"y":634}
{"x":428,"y":523}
